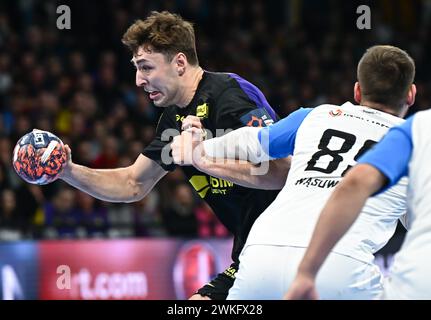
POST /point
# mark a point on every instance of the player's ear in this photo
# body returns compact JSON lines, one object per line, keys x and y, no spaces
{"x":357,"y":95}
{"x":411,"y":95}
{"x":180,"y":63}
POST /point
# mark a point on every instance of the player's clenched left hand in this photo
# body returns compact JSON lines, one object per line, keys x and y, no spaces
{"x":302,"y":288}
{"x":187,"y":148}
{"x":191,"y":122}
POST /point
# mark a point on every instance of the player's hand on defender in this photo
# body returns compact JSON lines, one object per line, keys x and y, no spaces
{"x":187,"y":148}
{"x":302,"y":288}
{"x":191,"y":122}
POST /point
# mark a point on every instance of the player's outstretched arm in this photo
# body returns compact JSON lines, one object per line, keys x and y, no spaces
{"x":339,"y":213}
{"x":115,"y":185}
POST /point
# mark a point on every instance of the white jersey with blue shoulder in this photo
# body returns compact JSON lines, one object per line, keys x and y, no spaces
{"x":325,"y":142}
{"x":406,"y":149}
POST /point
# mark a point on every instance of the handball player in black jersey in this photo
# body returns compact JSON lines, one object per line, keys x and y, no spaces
{"x":167,"y":68}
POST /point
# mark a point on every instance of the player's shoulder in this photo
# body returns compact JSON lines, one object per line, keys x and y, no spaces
{"x":357,"y":112}
{"x":330,"y":110}
{"x":334,"y":108}
{"x":217,"y":83}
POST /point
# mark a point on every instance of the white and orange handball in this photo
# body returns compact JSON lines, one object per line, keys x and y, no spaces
{"x":39,"y":157}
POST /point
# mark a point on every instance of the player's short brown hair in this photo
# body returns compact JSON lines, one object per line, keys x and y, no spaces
{"x":385,"y":74}
{"x":163,"y":32}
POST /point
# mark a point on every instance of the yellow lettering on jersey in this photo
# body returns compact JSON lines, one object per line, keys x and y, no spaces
{"x":220,"y":183}
{"x":224,"y":183}
{"x":217,"y":185}
{"x":200,"y":184}
{"x":230,"y":272}
{"x":219,"y":191}
{"x":179,"y":118}
{"x":227,"y":183}
{"x":202,"y":110}
{"x":214,"y":182}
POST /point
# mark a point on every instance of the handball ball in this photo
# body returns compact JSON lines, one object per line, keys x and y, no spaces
{"x":39,"y":156}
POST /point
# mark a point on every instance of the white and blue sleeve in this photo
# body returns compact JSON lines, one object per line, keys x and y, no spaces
{"x":278,"y":140}
{"x":252,"y":143}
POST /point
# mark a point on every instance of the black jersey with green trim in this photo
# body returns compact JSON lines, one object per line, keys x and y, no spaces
{"x":222,"y":101}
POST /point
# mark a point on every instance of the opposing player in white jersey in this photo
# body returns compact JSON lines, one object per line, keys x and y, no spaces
{"x":405,"y":150}
{"x":325,"y":142}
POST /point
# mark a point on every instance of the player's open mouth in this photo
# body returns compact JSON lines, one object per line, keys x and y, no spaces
{"x":154,"y":95}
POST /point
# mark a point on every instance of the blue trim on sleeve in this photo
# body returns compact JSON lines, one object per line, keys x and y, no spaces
{"x":391,"y":156}
{"x":278,"y":140}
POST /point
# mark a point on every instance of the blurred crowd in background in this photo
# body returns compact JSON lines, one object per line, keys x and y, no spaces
{"x":80,"y":85}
